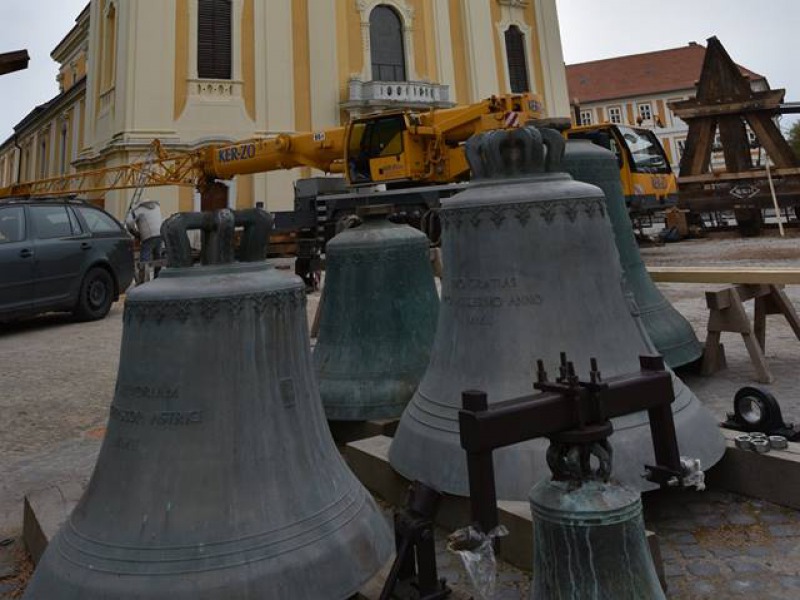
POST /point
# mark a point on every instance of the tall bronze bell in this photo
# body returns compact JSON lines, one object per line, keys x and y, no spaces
{"x":669,"y":331}
{"x":532,"y":269}
{"x":217,"y":478}
{"x":378,"y":318}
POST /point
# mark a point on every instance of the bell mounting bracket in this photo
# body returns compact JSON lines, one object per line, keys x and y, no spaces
{"x":575,"y":415}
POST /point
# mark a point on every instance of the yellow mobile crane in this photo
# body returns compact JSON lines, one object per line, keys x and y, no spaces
{"x":399,"y":147}
{"x":407,"y":150}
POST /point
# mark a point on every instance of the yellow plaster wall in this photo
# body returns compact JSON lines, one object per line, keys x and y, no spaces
{"x":185,"y":199}
{"x":423,"y":35}
{"x":462,"y":95}
{"x":343,"y":12}
{"x":430,"y":41}
{"x":244,"y":192}
{"x":302,"y":65}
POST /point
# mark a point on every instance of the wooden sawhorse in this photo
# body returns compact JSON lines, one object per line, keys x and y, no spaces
{"x":727,"y":313}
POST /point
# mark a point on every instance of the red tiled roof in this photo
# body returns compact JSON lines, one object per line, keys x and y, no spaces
{"x":639,"y":74}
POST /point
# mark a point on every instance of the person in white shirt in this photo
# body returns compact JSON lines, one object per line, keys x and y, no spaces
{"x":144,"y":221}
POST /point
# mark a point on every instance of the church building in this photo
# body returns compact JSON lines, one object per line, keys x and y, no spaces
{"x":195,"y":72}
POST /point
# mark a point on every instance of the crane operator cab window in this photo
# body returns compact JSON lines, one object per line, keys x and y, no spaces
{"x":375,"y":139}
{"x":647,"y":155}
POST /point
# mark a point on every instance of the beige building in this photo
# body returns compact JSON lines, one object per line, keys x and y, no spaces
{"x":192,"y":72}
{"x":636,"y":90}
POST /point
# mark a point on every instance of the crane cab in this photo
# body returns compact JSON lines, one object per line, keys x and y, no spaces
{"x":380,"y":150}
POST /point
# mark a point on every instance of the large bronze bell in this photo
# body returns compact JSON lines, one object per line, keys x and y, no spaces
{"x":378,"y":318}
{"x":217,"y":478}
{"x":532,"y":269}
{"x":669,"y":331}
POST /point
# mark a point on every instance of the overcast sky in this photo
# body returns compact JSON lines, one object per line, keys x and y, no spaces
{"x":757,"y":34}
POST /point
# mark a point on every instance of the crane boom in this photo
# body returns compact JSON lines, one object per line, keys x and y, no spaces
{"x":419,"y":146}
{"x":177,"y":169}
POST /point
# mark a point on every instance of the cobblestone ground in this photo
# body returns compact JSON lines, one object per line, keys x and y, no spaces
{"x":57,"y":379}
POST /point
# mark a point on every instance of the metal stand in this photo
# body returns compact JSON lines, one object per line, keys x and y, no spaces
{"x":414,"y":575}
{"x":575,"y":415}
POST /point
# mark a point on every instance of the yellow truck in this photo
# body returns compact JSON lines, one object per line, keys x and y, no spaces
{"x":647,"y":179}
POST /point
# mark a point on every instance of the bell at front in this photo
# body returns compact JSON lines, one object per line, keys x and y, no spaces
{"x":217,"y":478}
{"x":589,"y":540}
{"x":531,"y":270}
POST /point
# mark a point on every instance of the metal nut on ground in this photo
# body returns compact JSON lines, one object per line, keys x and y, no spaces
{"x":778,"y":442}
{"x":760,"y":446}
{"x":744,"y":442}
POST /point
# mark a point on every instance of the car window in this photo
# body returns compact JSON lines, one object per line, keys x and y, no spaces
{"x":98,"y":221}
{"x":74,"y":223}
{"x":12,"y":224}
{"x":51,"y":222}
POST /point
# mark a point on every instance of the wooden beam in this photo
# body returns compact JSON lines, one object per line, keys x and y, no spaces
{"x":697,"y":152}
{"x":761,"y":276}
{"x":769,"y":102}
{"x":13,"y":61}
{"x":756,"y":174}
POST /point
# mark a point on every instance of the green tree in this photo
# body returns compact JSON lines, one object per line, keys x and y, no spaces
{"x":794,"y":138}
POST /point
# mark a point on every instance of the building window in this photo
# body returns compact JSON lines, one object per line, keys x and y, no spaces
{"x":615,"y":115}
{"x":517,"y":65}
{"x":43,"y":156}
{"x":645,"y":112}
{"x":62,"y":154}
{"x":586,"y":117}
{"x":214,"y":39}
{"x":386,"y":45}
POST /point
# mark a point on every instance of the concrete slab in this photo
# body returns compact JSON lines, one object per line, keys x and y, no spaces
{"x":774,"y":476}
{"x":45,"y":511}
{"x":369,"y":460}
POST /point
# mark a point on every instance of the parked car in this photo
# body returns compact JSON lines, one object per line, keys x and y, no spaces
{"x":61,"y":255}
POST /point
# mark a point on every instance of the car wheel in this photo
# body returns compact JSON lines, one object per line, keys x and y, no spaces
{"x":96,"y":295}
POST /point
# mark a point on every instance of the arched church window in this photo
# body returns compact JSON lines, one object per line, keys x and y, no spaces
{"x":517,"y":64}
{"x":386,"y":44}
{"x":214,"y":39}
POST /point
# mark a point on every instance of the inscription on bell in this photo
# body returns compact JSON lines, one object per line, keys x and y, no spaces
{"x":165,"y":418}
{"x":505,"y":294}
{"x":146,"y":391}
{"x":475,"y":283}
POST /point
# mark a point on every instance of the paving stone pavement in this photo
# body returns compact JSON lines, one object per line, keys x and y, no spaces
{"x":58,"y":377}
